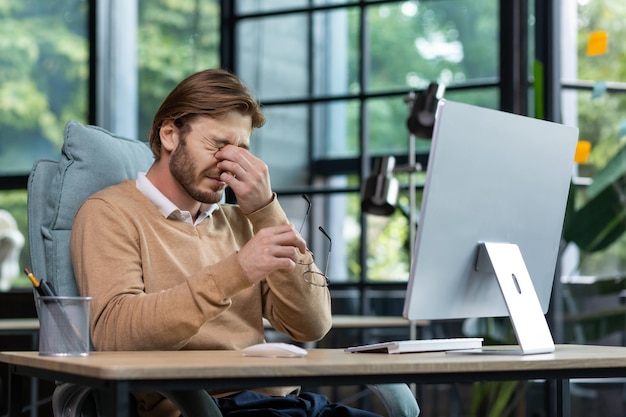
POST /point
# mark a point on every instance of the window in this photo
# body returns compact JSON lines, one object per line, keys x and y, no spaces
{"x":149,"y":47}
{"x":174,"y":40}
{"x":333,"y":77}
{"x":594,"y":99}
{"x":44,"y":61}
{"x":50,"y":75}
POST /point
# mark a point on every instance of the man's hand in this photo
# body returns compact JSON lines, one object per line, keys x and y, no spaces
{"x":272,"y":248}
{"x":247,"y":176}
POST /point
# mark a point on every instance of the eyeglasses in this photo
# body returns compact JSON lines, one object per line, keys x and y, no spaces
{"x":313,"y":277}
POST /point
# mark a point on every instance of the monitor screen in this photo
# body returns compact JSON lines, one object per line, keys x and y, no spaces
{"x":492,"y":177}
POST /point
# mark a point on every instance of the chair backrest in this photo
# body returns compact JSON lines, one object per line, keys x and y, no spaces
{"x":91,"y":159}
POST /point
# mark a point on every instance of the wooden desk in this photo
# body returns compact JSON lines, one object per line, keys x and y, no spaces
{"x":122,"y":372}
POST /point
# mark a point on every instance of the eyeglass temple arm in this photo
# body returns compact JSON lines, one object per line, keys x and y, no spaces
{"x":306,"y":215}
{"x":330,"y":246}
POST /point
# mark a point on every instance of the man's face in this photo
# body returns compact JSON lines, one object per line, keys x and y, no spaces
{"x":193,"y":163}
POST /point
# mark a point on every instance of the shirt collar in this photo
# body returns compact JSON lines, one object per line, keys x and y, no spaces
{"x":165,"y":205}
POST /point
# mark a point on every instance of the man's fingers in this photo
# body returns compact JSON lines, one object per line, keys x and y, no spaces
{"x":285,"y":235}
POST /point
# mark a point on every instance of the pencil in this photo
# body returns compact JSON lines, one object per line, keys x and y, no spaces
{"x":42,"y":287}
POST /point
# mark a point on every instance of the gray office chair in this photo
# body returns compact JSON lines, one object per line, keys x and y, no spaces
{"x":93,"y":159}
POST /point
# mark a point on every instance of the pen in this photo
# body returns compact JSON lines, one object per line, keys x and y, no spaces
{"x":42,"y":287}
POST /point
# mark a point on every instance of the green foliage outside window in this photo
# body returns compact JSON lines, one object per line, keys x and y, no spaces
{"x":175,"y":39}
{"x":44,"y":55}
{"x":44,"y":74}
{"x":411,"y":44}
{"x":601,"y":115}
{"x":43,"y":62}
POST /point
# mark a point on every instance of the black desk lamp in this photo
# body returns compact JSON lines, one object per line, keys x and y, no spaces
{"x":421,"y":119}
{"x":380,"y":192}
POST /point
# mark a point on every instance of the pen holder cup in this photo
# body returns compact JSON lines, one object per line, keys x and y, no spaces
{"x":64,"y":326}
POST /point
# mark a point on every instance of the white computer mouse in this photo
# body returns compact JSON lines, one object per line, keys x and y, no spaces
{"x":274,"y":350}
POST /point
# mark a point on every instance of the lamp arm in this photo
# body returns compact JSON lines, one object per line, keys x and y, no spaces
{"x":416,"y":167}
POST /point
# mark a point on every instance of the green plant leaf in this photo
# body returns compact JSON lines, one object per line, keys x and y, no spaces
{"x":600,"y":222}
{"x":613,"y":172}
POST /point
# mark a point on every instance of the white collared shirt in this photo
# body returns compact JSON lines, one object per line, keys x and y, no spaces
{"x":166,"y":207}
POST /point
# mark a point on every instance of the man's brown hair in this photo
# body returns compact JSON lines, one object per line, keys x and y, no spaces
{"x":213,"y":93}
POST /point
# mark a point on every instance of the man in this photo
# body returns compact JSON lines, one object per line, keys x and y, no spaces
{"x":170,"y":268}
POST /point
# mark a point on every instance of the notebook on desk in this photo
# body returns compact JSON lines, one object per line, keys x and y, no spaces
{"x":414,"y":346}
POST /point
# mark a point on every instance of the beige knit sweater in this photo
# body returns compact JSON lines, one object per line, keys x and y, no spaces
{"x":162,"y":284}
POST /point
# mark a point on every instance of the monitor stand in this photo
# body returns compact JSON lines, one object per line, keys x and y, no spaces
{"x":529,"y":322}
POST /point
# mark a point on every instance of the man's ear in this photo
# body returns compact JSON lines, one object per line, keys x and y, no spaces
{"x":169,"y":135}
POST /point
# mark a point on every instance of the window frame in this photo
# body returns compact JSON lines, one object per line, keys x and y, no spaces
{"x":514,"y":84}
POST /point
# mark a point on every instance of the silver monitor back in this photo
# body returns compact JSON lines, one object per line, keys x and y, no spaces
{"x":492,"y":177}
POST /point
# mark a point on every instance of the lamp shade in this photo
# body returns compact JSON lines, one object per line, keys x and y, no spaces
{"x":422,"y":117}
{"x":380,"y":193}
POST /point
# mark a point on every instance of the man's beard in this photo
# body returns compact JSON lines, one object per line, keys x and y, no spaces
{"x":183,"y":170}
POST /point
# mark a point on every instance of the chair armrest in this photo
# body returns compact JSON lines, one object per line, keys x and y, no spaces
{"x":71,"y":400}
{"x":398,"y":399}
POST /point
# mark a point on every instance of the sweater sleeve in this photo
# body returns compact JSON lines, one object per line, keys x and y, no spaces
{"x":110,"y":265}
{"x":292,"y":305}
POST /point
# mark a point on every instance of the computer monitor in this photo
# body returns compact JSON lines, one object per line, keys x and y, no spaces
{"x":491,"y":219}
